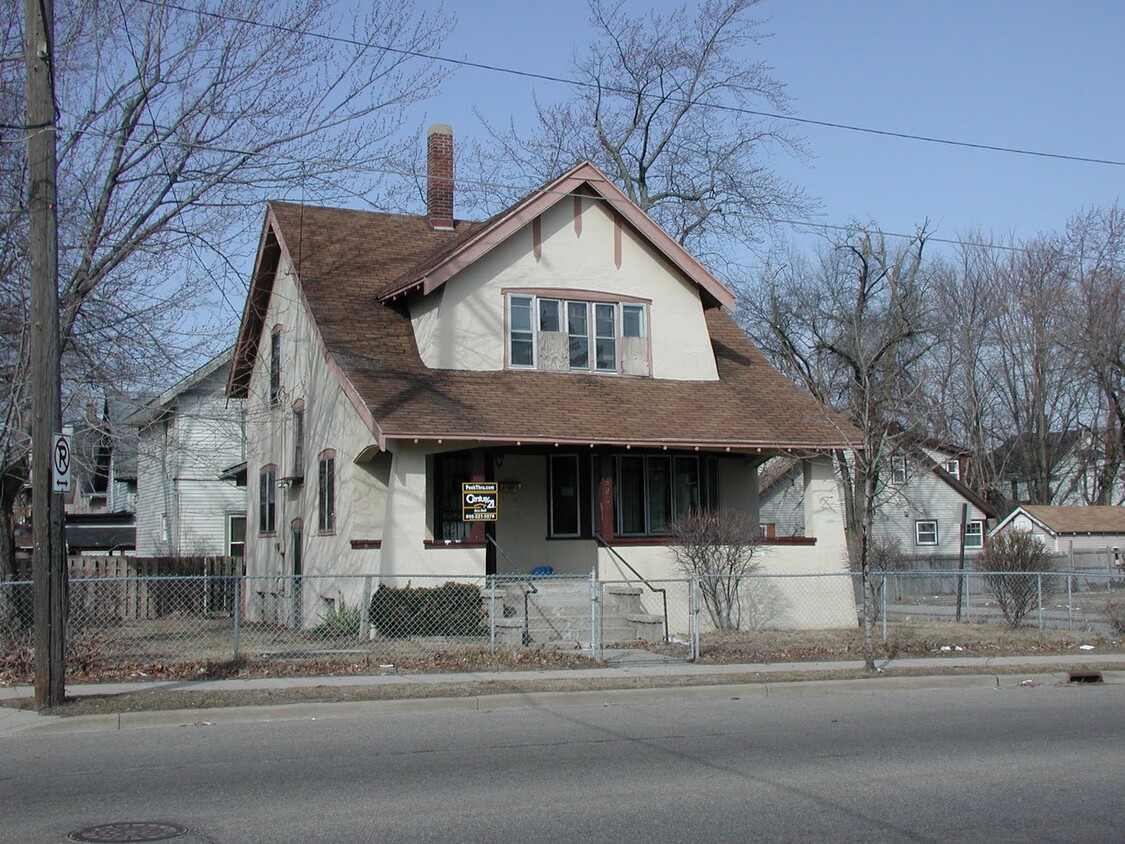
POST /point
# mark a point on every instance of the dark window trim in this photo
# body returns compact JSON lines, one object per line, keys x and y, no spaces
{"x":326,"y":492}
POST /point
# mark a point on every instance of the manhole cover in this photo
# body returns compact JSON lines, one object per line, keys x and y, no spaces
{"x":126,"y":831}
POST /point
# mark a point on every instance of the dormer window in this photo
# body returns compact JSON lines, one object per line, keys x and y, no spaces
{"x":576,"y":335}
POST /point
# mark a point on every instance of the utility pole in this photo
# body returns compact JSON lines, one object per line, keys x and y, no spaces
{"x":49,"y":560}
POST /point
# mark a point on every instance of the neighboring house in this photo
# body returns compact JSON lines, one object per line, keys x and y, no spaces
{"x":567,"y":349}
{"x":1064,"y":529}
{"x":100,"y":508}
{"x":187,"y":439}
{"x":918,"y":508}
{"x":1060,"y":469}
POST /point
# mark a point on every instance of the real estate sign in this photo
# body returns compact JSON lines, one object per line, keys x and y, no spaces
{"x":480,"y":502}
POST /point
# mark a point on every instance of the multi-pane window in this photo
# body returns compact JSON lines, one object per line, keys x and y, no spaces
{"x":578,"y":330}
{"x":605,"y":337}
{"x":651,"y":491}
{"x":565,"y":334}
{"x":521,"y":337}
{"x":236,"y":532}
{"x":898,"y":470}
{"x":953,"y":467}
{"x":974,"y":534}
{"x":654,"y":491}
{"x":326,"y":520}
{"x":275,"y":366}
{"x":267,"y":500}
{"x":925,"y":532}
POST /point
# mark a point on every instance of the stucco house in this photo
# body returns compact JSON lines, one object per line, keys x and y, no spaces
{"x":567,"y":349}
{"x":919,"y":505}
{"x":187,"y":437}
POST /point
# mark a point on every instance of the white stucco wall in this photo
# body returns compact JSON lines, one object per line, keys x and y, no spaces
{"x":462,"y":325}
{"x":331,"y":423}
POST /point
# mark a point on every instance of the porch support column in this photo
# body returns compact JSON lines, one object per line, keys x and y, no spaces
{"x":604,"y":511}
{"x":824,"y":515}
{"x":478,"y":470}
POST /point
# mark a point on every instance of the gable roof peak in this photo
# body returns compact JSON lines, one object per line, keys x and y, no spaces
{"x":584,"y":178}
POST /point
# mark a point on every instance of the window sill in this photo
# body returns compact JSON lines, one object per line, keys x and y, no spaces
{"x":363,"y":544}
{"x":452,"y":543}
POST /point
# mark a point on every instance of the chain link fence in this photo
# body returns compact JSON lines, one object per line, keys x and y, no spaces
{"x":409,"y":620}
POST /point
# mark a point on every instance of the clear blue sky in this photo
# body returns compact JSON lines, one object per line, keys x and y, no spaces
{"x":1030,"y":74}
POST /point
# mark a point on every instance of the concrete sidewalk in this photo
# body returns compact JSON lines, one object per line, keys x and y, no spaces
{"x":701,"y":680}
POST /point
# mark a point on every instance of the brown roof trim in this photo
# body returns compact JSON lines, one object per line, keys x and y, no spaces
{"x":273,"y":247}
{"x":270,"y":249}
{"x":710,"y":446}
{"x":502,"y":226}
{"x":966,"y":492}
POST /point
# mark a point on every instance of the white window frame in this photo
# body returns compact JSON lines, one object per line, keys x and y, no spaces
{"x":642,"y":322}
{"x":918,"y":532}
{"x":533,"y":319}
{"x":953,"y":467}
{"x":974,"y":528}
{"x":898,"y":469}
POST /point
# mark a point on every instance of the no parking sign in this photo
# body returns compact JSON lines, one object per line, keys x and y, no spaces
{"x":60,"y":463}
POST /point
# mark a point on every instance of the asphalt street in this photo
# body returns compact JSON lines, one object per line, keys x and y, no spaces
{"x":1040,"y":763}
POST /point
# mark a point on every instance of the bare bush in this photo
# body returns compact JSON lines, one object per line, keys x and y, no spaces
{"x":719,"y":547}
{"x":1012,"y":563}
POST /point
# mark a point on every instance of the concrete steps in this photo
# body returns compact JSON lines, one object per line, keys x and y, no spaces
{"x":558,"y":613}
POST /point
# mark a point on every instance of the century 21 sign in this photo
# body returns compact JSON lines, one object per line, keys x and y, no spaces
{"x":480,"y":502}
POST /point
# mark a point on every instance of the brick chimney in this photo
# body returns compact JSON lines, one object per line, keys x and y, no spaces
{"x":439,"y":176}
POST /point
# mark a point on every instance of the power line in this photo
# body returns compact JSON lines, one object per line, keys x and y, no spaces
{"x":545,"y":77}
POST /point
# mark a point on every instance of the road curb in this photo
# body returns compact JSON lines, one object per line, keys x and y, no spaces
{"x":129,"y":721}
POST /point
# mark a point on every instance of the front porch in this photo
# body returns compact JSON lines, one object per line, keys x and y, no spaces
{"x":572,"y":511}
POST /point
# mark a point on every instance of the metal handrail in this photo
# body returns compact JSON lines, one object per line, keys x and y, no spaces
{"x":528,"y":591}
{"x":664,"y":592}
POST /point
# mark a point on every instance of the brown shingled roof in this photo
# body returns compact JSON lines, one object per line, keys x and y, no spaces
{"x":1078,"y":518}
{"x":346,"y":259}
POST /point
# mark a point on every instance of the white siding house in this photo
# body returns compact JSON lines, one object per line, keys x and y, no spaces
{"x":1071,"y":529}
{"x":188,"y":437}
{"x":918,"y":508}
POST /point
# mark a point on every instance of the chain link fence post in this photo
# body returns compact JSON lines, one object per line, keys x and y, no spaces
{"x":695,"y":615}
{"x":883,"y":608}
{"x":492,"y":613}
{"x":595,"y":600}
{"x":1039,"y":588}
{"x":237,"y":611}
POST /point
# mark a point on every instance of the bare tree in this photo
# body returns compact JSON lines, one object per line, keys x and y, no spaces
{"x":1095,"y":260}
{"x":720,"y":549}
{"x":852,"y":330}
{"x":959,"y":369}
{"x":668,"y":105}
{"x":1040,"y":395}
{"x":1013,"y":565}
{"x":175,"y":124}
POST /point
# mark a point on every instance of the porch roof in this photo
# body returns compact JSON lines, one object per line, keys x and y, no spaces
{"x":752,"y":406}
